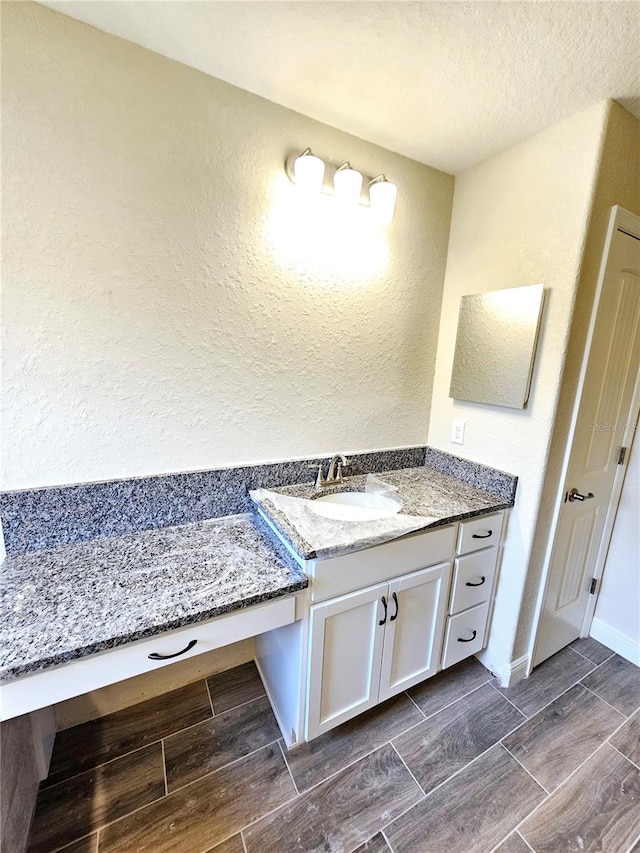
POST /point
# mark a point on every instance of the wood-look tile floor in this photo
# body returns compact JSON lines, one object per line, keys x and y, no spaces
{"x":455,"y":765}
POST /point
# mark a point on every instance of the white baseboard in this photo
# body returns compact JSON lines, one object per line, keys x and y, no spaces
{"x":627,"y":647}
{"x":508,"y":674}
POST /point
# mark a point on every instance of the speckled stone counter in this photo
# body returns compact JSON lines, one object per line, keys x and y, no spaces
{"x":42,"y":518}
{"x":75,"y":600}
{"x":433,"y":498}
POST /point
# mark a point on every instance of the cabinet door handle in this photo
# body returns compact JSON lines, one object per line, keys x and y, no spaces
{"x":468,"y":583}
{"x":470,"y":640}
{"x":482,"y":535}
{"x":395,"y":601}
{"x":384,"y":618}
{"x":156,"y":656}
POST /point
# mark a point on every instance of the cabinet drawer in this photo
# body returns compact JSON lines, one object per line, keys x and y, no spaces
{"x":479,"y":533}
{"x":465,"y":634}
{"x":338,"y":575}
{"x":473,"y":579}
{"x":89,"y":673}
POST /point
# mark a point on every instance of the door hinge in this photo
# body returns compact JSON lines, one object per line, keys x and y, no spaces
{"x":594,"y":586}
{"x":621,"y":455}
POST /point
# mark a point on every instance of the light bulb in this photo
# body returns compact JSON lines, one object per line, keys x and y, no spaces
{"x":308,"y":171}
{"x":347,"y":185}
{"x":382,"y":200}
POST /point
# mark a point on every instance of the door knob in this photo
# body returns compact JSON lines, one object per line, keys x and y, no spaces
{"x":574,"y":495}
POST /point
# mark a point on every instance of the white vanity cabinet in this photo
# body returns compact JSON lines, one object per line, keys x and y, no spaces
{"x":378,"y":621}
{"x":369,"y":645}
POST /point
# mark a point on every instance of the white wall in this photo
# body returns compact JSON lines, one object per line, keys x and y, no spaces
{"x":167,"y":304}
{"x":519,"y":218}
{"x":617,"y":618}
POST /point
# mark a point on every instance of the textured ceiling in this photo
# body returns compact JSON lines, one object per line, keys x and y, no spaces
{"x":446,"y":83}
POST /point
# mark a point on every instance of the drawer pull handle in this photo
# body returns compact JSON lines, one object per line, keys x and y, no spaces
{"x":156,"y":656}
{"x":482,"y":535}
{"x":384,"y":618}
{"x":395,"y":601}
{"x":470,"y":640}
{"x":468,"y":583}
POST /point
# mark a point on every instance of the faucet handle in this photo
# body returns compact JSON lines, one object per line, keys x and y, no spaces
{"x":319,"y":477}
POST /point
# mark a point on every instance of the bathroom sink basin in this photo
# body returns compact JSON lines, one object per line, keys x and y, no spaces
{"x":355,"y":506}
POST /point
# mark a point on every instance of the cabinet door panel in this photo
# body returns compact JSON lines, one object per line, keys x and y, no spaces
{"x":345,"y":649}
{"x":413,"y":640}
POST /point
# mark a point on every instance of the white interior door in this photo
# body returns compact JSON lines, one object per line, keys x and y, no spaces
{"x":414,"y":630}
{"x":604,"y":409}
{"x":345,"y":652}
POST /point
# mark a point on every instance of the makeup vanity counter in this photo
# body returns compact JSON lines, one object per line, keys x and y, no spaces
{"x":77,"y":617}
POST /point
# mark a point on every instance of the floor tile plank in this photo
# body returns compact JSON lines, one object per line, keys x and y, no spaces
{"x":443,"y":744}
{"x":312,"y":762}
{"x":247,"y":785}
{"x":548,"y":681}
{"x":436,"y":693}
{"x":597,"y":809}
{"x":206,"y":812}
{"x":342,"y":812}
{"x":226,"y":737}
{"x":491,"y":797}
{"x":77,"y":806}
{"x":84,"y":845}
{"x":627,"y":739}
{"x":556,"y":740}
{"x":591,"y":649}
{"x":617,"y":682}
{"x":513,"y":844}
{"x":114,"y":735}
{"x":231,"y":845}
{"x":235,"y":686}
{"x":377,"y":844}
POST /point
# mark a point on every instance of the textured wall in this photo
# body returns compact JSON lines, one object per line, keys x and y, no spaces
{"x":618,"y":182}
{"x":168,"y":304}
{"x":518,"y":218}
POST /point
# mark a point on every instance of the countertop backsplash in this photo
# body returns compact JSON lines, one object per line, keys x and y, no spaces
{"x":38,"y":519}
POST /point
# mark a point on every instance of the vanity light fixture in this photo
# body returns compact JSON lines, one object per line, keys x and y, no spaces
{"x":382,"y":198}
{"x":347,"y":184}
{"x":308,"y":172}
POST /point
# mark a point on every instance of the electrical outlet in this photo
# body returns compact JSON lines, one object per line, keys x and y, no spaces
{"x":457,"y":432}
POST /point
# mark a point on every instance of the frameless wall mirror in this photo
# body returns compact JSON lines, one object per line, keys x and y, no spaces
{"x":495,"y":346}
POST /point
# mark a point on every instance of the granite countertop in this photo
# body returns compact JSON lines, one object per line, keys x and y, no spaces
{"x":429,"y":499}
{"x":75,"y":600}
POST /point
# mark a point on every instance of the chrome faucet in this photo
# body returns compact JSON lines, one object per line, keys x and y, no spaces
{"x":334,"y":474}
